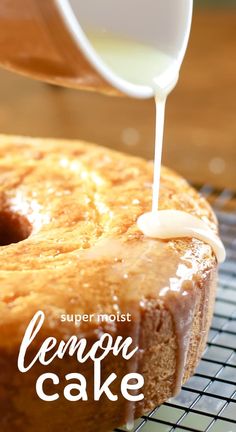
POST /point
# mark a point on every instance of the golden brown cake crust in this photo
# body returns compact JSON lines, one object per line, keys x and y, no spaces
{"x":85,"y":254}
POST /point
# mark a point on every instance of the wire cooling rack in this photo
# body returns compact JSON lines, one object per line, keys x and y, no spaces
{"x":207,"y":401}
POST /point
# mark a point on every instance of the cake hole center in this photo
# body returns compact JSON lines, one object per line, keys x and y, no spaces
{"x":13,"y":228}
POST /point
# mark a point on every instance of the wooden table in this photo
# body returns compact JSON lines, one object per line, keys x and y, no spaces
{"x":200,"y":139}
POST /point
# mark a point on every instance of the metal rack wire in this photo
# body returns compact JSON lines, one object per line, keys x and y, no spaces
{"x":207,"y":401}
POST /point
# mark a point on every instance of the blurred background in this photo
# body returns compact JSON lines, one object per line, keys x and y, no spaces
{"x":200,"y":135}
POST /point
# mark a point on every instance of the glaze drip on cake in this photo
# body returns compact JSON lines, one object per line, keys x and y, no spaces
{"x":179,"y":296}
{"x":166,"y":224}
{"x":153,"y":68}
